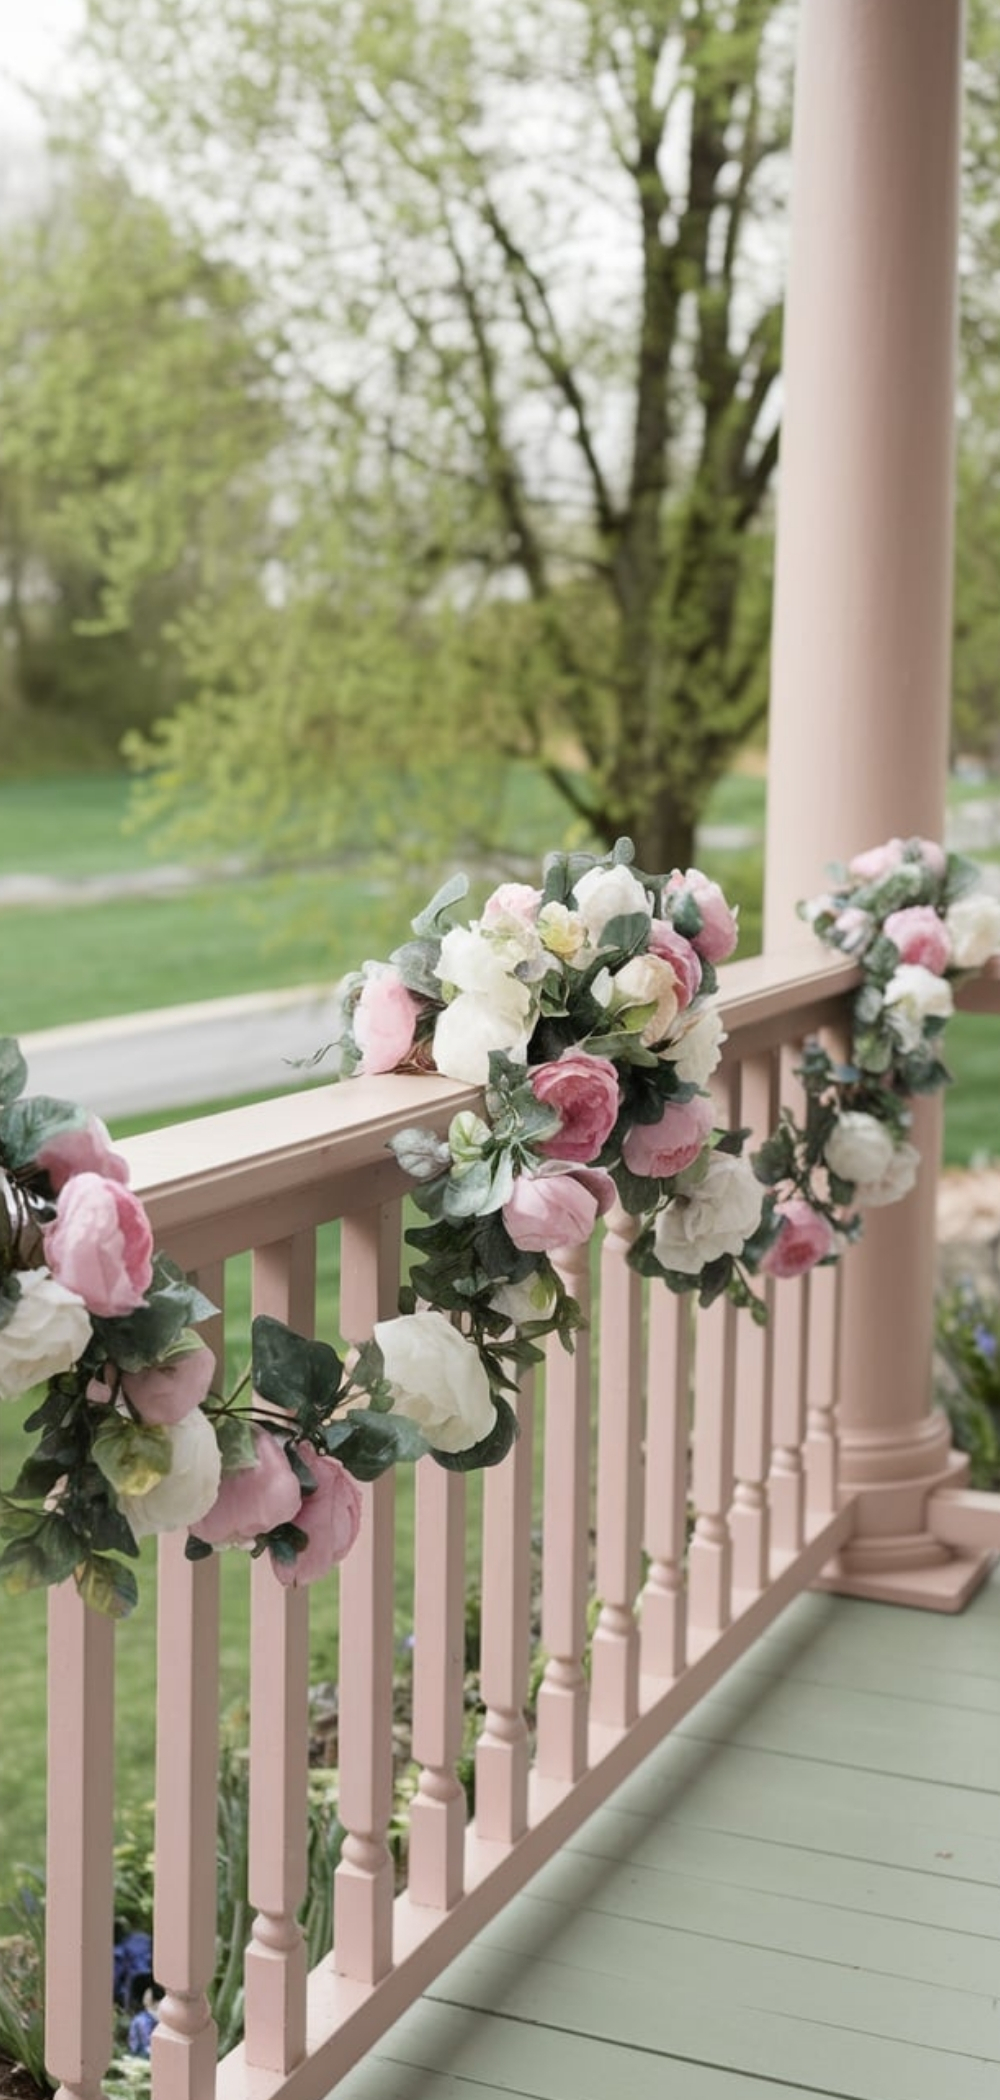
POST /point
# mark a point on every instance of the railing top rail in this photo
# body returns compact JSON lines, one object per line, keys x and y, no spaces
{"x":234,"y":1162}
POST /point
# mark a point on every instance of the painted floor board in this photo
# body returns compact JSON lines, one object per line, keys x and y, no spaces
{"x":486,"y":2053}
{"x":797,"y":1894}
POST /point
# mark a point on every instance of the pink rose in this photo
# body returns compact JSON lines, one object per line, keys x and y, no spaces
{"x":330,"y":1517}
{"x":667,"y":1147}
{"x":877,"y":861}
{"x":920,"y":936}
{"x":804,"y":1239}
{"x":385,"y":1020}
{"x":556,"y":1207}
{"x":86,"y":1151}
{"x":584,"y":1090}
{"x":167,"y":1392}
{"x":255,"y":1498}
{"x":934,"y":856}
{"x":671,"y":947}
{"x":719,"y":931}
{"x":101,"y":1245}
{"x":515,"y":900}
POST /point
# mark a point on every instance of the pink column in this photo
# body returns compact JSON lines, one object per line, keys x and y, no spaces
{"x":862,"y":636}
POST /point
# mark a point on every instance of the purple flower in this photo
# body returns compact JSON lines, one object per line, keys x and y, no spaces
{"x":985,"y":1341}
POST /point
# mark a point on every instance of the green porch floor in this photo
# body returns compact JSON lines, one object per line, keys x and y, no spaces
{"x":799,"y":1893}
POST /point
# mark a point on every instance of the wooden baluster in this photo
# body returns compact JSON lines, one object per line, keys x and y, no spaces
{"x":668,"y":1437}
{"x":364,"y":1881}
{"x":789,"y":1317}
{"x":502,"y":1750}
{"x":750,"y":1518}
{"x":615,"y":1651}
{"x":184,"y":2043}
{"x":710,"y":1558}
{"x":437,"y":1815}
{"x":562,"y":1695}
{"x":284,"y":1286}
{"x":79,"y":1911}
{"x":824,"y":1289}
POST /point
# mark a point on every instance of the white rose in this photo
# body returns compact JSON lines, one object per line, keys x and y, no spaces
{"x":897,"y":1181}
{"x":188,"y":1491}
{"x":471,"y":1027}
{"x":859,"y":1147}
{"x":46,"y":1333}
{"x":437,"y":1379}
{"x":471,"y":963}
{"x":715,"y":1218}
{"x":518,"y":945}
{"x":974,"y":926}
{"x":531,"y":1300}
{"x":608,"y":893}
{"x":914,"y":995}
{"x":648,"y":981}
{"x":695,"y":1046}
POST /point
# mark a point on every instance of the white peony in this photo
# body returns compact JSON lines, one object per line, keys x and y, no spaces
{"x":695,"y":1046}
{"x":859,"y":1147}
{"x":471,"y":1027}
{"x":973,"y":924}
{"x":897,"y":1181}
{"x":187,"y":1492}
{"x":437,"y":1379}
{"x":715,"y":1218}
{"x":912,"y":996}
{"x":46,"y":1333}
{"x":562,"y":931}
{"x":648,"y":981}
{"x":608,"y":893}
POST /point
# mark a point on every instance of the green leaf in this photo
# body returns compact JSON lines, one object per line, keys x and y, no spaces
{"x":37,"y":1478}
{"x":147,"y":1335}
{"x":685,"y":914}
{"x":303,"y":1377}
{"x":415,"y":962}
{"x":234,"y":1436}
{"x":133,"y":1456}
{"x":467,"y":1195}
{"x":776,"y":1157}
{"x":427,"y":922}
{"x":26,"y":1125}
{"x":108,"y":1587}
{"x":628,"y":932}
{"x":13,"y":1070}
{"x":490,"y":1450}
{"x":197,"y":1549}
{"x":380,"y":1441}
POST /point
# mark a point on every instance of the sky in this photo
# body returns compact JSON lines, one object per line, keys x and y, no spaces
{"x":32,"y":45}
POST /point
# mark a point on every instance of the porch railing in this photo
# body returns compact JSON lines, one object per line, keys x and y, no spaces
{"x":687,"y":1486}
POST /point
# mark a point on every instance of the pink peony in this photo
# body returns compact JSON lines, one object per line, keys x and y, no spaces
{"x":584,"y":1090}
{"x":101,"y":1245}
{"x":719,"y":932}
{"x":255,"y":1498}
{"x":515,"y":900}
{"x":330,"y":1517}
{"x":385,"y":1021}
{"x":557,"y":1207}
{"x":167,"y":1392}
{"x":661,"y":1149}
{"x":86,"y":1151}
{"x":671,"y":947}
{"x":920,"y":936}
{"x":804,"y":1239}
{"x":877,"y":861}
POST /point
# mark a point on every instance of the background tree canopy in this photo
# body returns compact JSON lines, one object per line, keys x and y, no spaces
{"x":425,"y":404}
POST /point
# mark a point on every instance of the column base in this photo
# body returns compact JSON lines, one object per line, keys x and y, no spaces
{"x":944,"y":1583}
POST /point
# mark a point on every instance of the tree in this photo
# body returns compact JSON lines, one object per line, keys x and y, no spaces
{"x":135,"y":425}
{"x":509,"y":271}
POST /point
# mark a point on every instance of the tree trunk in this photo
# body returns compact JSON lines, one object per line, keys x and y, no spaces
{"x":665,"y":837}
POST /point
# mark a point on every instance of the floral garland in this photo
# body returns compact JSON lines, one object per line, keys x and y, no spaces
{"x":587,"y":1010}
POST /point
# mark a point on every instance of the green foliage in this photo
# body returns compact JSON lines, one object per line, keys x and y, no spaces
{"x":22,"y":1969}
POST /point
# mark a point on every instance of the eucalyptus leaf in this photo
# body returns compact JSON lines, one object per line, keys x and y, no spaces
{"x":26,"y":1125}
{"x":427,"y":922}
{"x":13,"y":1070}
{"x":421,"y":1153}
{"x":415,"y":962}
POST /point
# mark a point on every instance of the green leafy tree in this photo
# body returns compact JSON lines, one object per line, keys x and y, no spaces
{"x":135,"y":422}
{"x":513,"y":274}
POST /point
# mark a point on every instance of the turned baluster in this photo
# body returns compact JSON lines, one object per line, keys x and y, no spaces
{"x":437,"y":1815}
{"x":615,"y":1652}
{"x":502,"y":1749}
{"x":562,"y":1695}
{"x":668,"y":1436}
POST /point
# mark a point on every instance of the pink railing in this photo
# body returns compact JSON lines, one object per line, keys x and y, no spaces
{"x":707,"y":1519}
